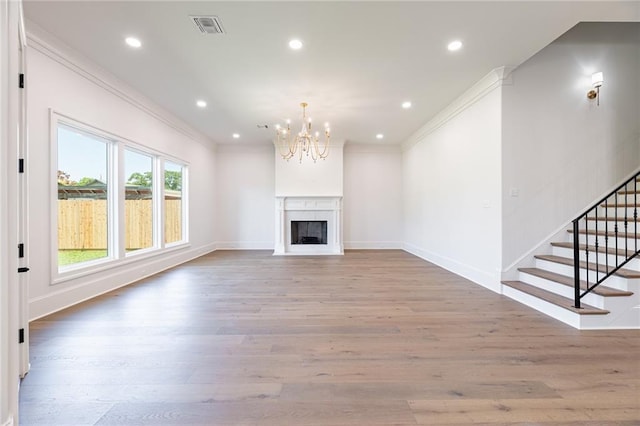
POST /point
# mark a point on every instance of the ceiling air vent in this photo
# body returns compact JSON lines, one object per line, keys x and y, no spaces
{"x":208,"y":24}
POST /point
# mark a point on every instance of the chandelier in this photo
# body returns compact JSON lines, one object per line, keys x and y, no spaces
{"x":304,"y":142}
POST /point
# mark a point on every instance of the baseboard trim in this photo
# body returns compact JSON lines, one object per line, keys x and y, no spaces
{"x":104,"y":282}
{"x":348,"y":245}
{"x":527,"y":260}
{"x":478,"y":276}
{"x":245,"y":245}
{"x":373,"y":245}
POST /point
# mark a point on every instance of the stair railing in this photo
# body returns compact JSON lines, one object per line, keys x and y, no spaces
{"x":623,"y":197}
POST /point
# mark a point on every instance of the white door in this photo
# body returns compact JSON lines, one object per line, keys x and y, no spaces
{"x":12,"y":139}
{"x":23,"y":207}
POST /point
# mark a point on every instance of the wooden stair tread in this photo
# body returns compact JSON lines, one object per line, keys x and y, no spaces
{"x":611,"y":234}
{"x":613,"y":251}
{"x":625,"y":273}
{"x":568,"y":281}
{"x":619,"y":205}
{"x":555,"y":299}
{"x":629,"y":192}
{"x":610,"y":218}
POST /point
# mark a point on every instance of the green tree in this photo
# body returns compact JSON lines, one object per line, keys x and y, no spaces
{"x":141,"y":179}
{"x":173,"y":180}
{"x":64,"y":178}
{"x":85,"y":181}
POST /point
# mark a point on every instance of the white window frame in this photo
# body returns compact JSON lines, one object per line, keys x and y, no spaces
{"x":112,"y":220}
{"x":116,"y":253}
{"x":183,"y":203}
{"x":156,"y":212}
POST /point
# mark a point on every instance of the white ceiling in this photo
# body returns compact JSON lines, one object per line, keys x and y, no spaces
{"x":359,"y":62}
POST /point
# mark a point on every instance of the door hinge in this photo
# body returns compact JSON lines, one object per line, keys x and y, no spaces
{"x":21,"y":165}
{"x":21,"y":250}
{"x":21,"y":335}
{"x":23,"y":269}
{"x":21,"y":81}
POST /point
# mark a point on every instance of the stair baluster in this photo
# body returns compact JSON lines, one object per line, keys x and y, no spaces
{"x":616,"y":254}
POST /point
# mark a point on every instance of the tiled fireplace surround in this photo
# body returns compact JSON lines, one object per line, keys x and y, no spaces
{"x":290,"y":209}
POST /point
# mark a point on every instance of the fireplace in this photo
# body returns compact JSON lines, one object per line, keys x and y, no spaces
{"x":308,"y":225}
{"x":308,"y":232}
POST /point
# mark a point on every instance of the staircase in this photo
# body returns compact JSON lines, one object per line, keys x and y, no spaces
{"x":608,"y":237}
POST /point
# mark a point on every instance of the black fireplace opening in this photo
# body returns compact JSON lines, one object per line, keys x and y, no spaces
{"x":309,"y":232}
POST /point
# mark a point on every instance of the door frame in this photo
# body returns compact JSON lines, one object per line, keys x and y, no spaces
{"x":12,"y":130}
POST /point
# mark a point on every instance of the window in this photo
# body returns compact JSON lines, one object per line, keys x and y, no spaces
{"x":106,"y":200}
{"x":138,"y":201}
{"x":172,"y":202}
{"x":83,"y":193}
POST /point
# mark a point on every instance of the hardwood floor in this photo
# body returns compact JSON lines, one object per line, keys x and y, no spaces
{"x":370,"y":338}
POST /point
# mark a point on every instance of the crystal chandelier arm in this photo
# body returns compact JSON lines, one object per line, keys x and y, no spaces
{"x":283,"y":141}
{"x":303,"y":142}
{"x":325,"y":148}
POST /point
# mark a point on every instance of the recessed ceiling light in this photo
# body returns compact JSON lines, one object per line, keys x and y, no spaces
{"x":201,"y":103}
{"x":133,"y":42}
{"x":454,"y":45}
{"x":379,"y":136}
{"x":406,"y":105}
{"x":295,"y":44}
{"x":236,"y":135}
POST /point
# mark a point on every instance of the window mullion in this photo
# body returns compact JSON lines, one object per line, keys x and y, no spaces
{"x":184,"y":204}
{"x":117,"y":202}
{"x":158,"y":203}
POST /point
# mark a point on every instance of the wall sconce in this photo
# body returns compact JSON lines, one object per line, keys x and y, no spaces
{"x":597,"y":78}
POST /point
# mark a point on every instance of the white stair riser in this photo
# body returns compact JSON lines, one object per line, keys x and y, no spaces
{"x":620,"y":211}
{"x":628,"y":243}
{"x":622,"y":199}
{"x":623,"y":284}
{"x":623,"y":314}
{"x":610,"y":226}
{"x":629,"y":198}
{"x":543,"y":306}
{"x":624,"y":310}
{"x":613,"y":281}
{"x":566,"y":252}
{"x":554,"y":287}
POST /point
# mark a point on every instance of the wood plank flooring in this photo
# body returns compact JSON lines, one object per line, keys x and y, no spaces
{"x":370,"y":338}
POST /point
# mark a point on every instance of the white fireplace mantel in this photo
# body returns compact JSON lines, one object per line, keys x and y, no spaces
{"x":308,"y":208}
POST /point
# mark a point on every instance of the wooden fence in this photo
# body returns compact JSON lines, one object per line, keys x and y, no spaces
{"x":82,"y":224}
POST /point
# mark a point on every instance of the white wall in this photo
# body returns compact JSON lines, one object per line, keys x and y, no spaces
{"x":560,"y":150}
{"x":245,"y":208}
{"x":62,"y":81}
{"x":372,"y":207}
{"x":452,"y":187}
{"x":306,"y":178}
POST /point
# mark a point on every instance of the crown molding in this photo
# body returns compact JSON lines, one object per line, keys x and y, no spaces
{"x":371,"y":148}
{"x":45,"y":43}
{"x":497,"y":77}
{"x":223,"y":148}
